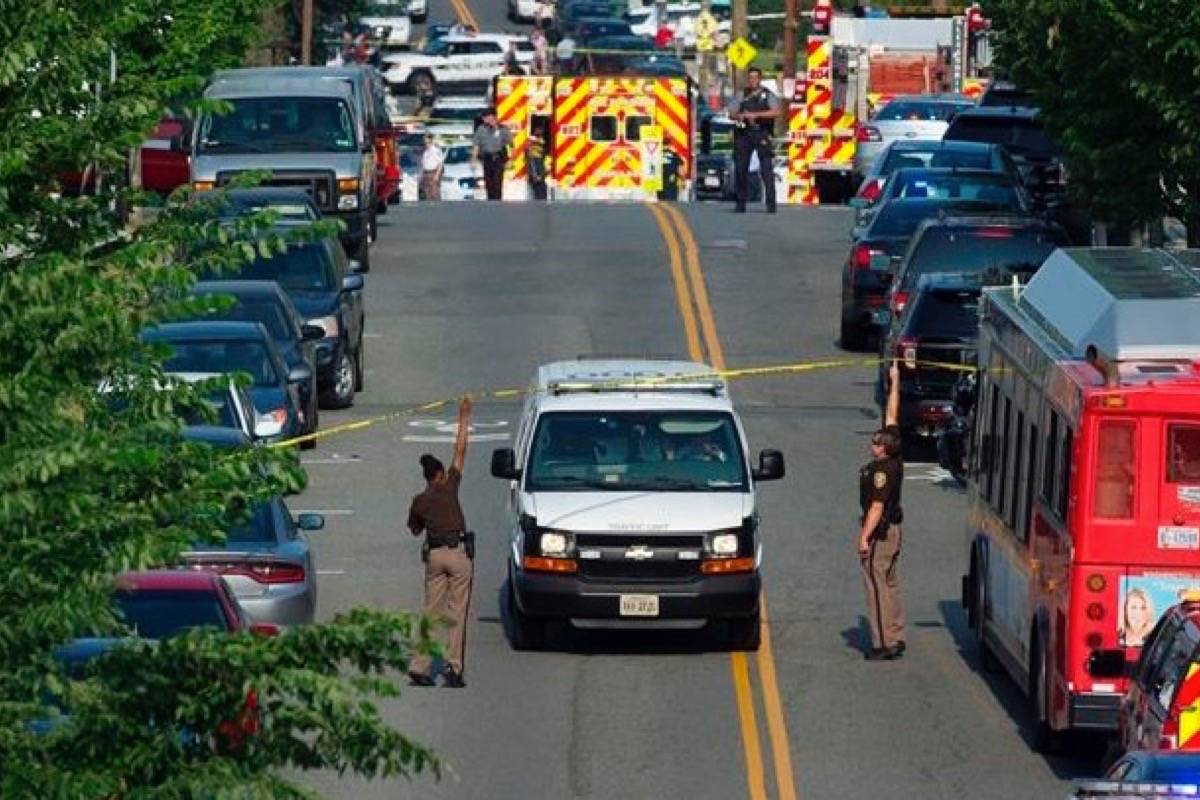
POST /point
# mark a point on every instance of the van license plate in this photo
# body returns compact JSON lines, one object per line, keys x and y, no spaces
{"x":1175,"y":537}
{"x":639,"y":605}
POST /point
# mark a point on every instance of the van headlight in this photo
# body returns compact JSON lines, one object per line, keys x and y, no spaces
{"x":723,"y":543}
{"x":347,"y":202}
{"x":554,"y":543}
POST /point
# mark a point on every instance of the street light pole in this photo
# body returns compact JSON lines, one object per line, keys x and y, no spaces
{"x":306,"y":32}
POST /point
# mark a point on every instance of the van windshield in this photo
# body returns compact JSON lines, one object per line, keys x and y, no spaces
{"x":278,"y":125}
{"x":662,"y":451}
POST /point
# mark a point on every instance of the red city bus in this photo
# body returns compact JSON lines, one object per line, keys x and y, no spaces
{"x":1083,"y":477}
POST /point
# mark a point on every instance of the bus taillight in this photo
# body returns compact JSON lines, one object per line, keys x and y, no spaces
{"x":1096,"y":582}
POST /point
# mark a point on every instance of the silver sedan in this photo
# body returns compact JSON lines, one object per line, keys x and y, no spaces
{"x":268,"y":564}
{"x":921,"y":116}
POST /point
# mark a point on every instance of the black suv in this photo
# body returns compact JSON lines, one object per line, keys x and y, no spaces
{"x":934,"y":341}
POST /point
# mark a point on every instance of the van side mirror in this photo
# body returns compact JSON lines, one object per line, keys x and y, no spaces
{"x":310,"y":522}
{"x":311,"y":333}
{"x":353,"y":283}
{"x":770,"y":466}
{"x":504,"y":464}
{"x":300,"y":373}
{"x":1108,"y":664}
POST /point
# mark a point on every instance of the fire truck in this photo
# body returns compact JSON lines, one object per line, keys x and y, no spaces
{"x":1083,"y":473}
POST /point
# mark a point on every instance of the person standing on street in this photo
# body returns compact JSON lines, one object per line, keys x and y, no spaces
{"x":491,"y":141}
{"x":879,"y":535}
{"x":754,"y":112}
{"x":433,"y":160}
{"x":535,"y":160}
{"x":448,"y":553}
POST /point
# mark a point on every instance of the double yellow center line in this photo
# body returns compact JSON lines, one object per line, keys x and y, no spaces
{"x":464,"y":14}
{"x":700,"y":331}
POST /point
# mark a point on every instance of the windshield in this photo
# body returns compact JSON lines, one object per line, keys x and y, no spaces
{"x":459,"y":154}
{"x":259,"y":528}
{"x":456,"y":113}
{"x":159,"y":614}
{"x":919,"y":111}
{"x":991,"y":187}
{"x":222,"y":403}
{"x":270,"y":313}
{"x":1024,"y":136}
{"x":279,"y":124}
{"x":636,"y":451}
{"x":998,"y":252}
{"x":223,"y":356}
{"x":946,"y":313}
{"x":304,"y":267}
{"x":900,"y":159}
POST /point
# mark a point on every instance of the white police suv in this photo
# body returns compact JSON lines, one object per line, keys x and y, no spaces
{"x":632,"y":502}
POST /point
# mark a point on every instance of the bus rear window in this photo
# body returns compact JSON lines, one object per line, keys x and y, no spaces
{"x":1116,"y":470}
{"x":1183,"y":453}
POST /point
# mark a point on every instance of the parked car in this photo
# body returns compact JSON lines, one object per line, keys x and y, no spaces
{"x":874,"y":254}
{"x":625,"y":55}
{"x":1157,"y":767}
{"x":454,"y":61}
{"x":1000,"y":93}
{"x":266,"y":303}
{"x":294,"y":205}
{"x":906,"y":117}
{"x":1001,"y":191}
{"x":588,"y":29}
{"x":327,"y":290}
{"x":388,"y":24}
{"x":917,"y":153}
{"x":268,"y":563}
{"x":233,"y":409}
{"x":305,"y":133}
{"x":241,"y":347}
{"x":996,"y":247}
{"x":939,"y":325}
{"x":462,"y":178}
{"x":714,"y":176}
{"x":1021,"y":132}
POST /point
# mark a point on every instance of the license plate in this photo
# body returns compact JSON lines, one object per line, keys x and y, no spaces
{"x":712,"y":183}
{"x":639,"y":605}
{"x":1175,"y":537}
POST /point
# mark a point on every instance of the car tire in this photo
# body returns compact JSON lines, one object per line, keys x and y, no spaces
{"x":360,"y":372}
{"x":852,"y":336}
{"x":1046,"y":740}
{"x":341,"y":394}
{"x":745,"y":634}
{"x":363,"y":255}
{"x":421,"y":83}
{"x":525,"y":633}
{"x":987,"y":659}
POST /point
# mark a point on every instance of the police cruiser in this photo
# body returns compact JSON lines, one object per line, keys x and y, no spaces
{"x":632,"y":502}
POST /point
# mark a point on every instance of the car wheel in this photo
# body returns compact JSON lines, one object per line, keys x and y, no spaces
{"x":421,"y":84}
{"x":341,"y":395}
{"x":363,"y":255}
{"x":987,"y":659}
{"x":1045,"y":739}
{"x":745,"y":634}
{"x":524,"y":632}
{"x":360,"y":356}
{"x":852,"y":336}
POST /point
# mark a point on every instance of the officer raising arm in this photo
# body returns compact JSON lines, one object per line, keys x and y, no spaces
{"x":448,"y":553}
{"x":754,"y":112}
{"x":879,"y":535}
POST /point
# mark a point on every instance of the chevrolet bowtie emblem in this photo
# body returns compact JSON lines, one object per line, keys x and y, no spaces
{"x":639,"y":552}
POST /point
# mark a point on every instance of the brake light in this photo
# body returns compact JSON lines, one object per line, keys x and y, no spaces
{"x":994,"y":232}
{"x":268,"y":572}
{"x":867,"y":133}
{"x":871,"y":190}
{"x":906,"y":351}
{"x":899,"y":301}
{"x":861,"y":258}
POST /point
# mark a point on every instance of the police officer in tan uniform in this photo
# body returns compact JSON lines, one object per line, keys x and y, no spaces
{"x":448,"y":554}
{"x":879,"y":536}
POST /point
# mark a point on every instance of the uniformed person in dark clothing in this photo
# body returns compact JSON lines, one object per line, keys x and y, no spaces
{"x":879,"y":536}
{"x":754,"y":112}
{"x":447,"y":552}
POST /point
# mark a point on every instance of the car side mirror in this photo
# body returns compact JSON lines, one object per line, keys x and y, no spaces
{"x":300,"y":373}
{"x":353,"y":283}
{"x":265,"y":629}
{"x":504,"y":464}
{"x":355,"y":265}
{"x":311,"y":333}
{"x":1108,"y":664}
{"x":310,"y":522}
{"x":770,"y":466}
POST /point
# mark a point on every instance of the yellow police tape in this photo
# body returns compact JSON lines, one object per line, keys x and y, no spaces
{"x":724,"y":374}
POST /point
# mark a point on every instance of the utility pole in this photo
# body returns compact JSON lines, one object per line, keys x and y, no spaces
{"x":791,"y":12}
{"x":740,"y":29}
{"x":306,"y":32}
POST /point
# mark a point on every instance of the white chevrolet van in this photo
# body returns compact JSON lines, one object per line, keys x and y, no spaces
{"x":631,"y":502}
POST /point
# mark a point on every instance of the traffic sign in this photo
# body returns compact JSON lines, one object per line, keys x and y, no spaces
{"x":741,"y":53}
{"x":704,"y":42}
{"x":706,"y":24}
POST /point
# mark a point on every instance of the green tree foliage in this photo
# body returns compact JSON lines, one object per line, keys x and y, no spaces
{"x":97,"y":478}
{"x":1116,"y":82}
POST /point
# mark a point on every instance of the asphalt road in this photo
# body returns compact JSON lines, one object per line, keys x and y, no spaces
{"x":468,"y":296}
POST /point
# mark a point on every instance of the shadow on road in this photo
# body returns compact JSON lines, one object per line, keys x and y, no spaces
{"x":1083,"y":754}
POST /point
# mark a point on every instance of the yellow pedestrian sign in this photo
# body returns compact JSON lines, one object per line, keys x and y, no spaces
{"x":704,"y":42}
{"x":741,"y":53}
{"x":706,"y":25}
